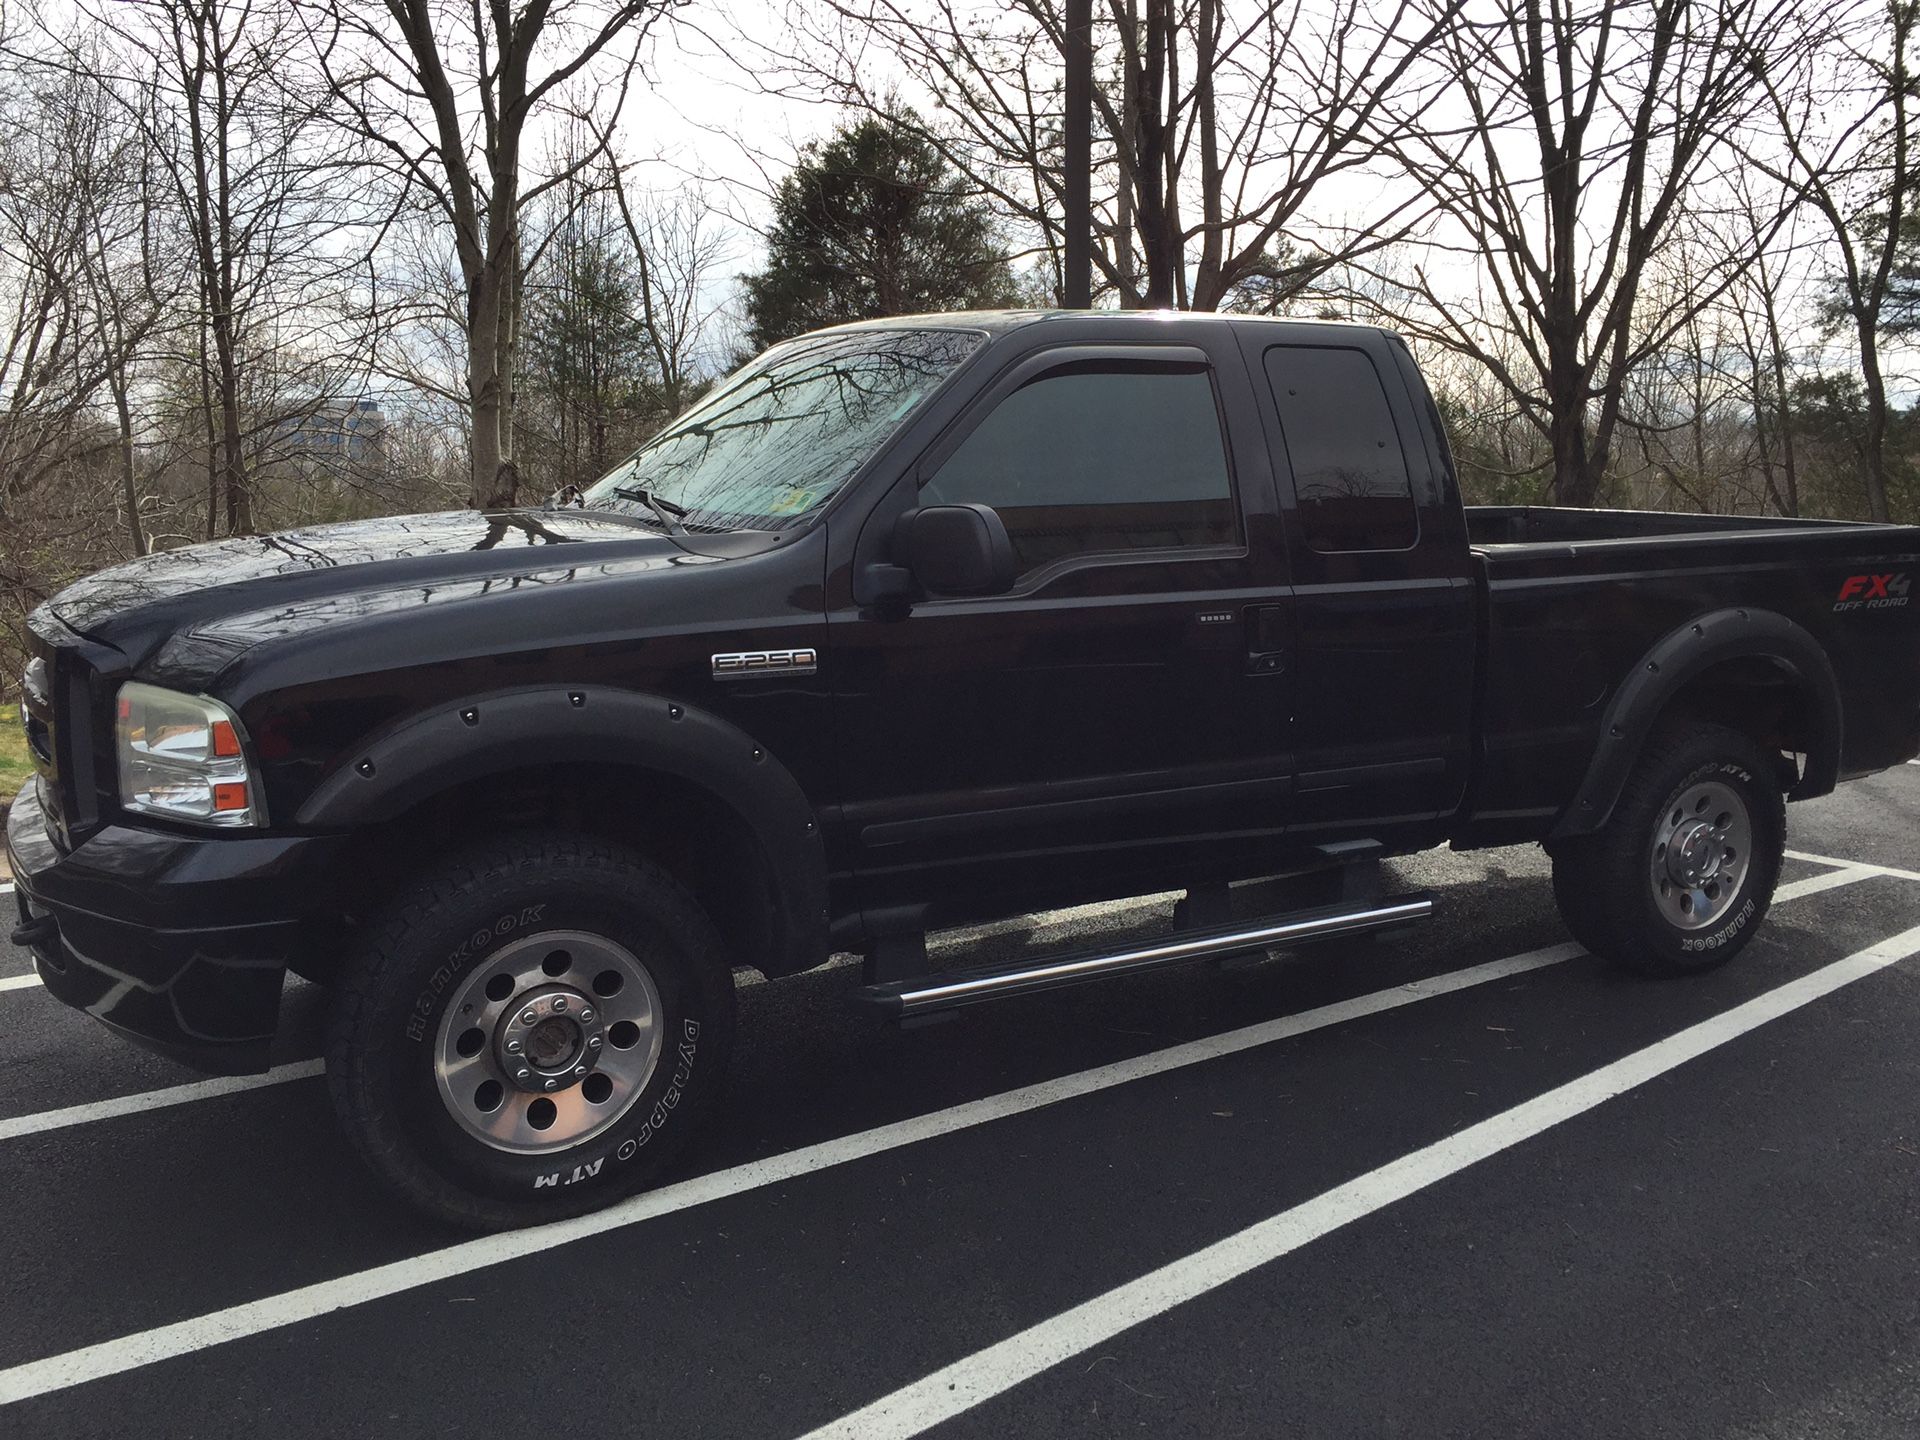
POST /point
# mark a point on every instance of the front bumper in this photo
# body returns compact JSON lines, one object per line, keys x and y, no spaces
{"x":178,"y":942}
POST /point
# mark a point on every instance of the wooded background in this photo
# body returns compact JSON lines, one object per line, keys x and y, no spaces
{"x":271,"y":262}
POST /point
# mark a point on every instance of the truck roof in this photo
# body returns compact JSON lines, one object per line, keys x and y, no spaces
{"x":1001,"y":321}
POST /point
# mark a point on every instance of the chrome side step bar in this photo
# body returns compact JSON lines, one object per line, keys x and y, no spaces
{"x":929,"y":994}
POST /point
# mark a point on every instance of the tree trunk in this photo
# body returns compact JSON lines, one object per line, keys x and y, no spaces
{"x":492,"y":480}
{"x":1763,"y":430}
{"x":1575,"y":479}
{"x":1876,"y":446}
{"x":213,"y":432}
{"x":1789,"y":469}
{"x":1787,"y":494}
{"x":1576,"y":476}
{"x":483,"y":393}
{"x":1208,"y":292}
{"x":225,"y":322}
{"x":129,"y":486}
{"x":1150,"y":163}
{"x":1170,"y":186}
{"x":1129,"y":131}
{"x":233,"y":470}
{"x":510,"y":363}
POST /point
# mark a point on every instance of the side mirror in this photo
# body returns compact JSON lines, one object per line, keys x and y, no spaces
{"x":955,"y":549}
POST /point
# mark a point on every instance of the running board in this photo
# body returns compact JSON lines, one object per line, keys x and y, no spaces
{"x":947,"y":990}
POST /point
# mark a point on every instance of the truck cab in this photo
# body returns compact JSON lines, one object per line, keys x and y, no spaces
{"x":1195,"y":666}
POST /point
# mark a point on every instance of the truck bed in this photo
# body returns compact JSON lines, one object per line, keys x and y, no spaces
{"x":1574,"y":599}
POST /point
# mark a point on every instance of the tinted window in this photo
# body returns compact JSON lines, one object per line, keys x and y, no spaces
{"x":1349,"y":473}
{"x":1098,"y":459}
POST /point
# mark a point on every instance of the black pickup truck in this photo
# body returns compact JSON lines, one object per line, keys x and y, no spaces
{"x":906,"y":625}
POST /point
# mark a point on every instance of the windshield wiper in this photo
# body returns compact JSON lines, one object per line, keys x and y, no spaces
{"x":668,"y":513}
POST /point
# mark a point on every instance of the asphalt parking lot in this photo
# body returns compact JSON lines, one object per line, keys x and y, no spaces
{"x":1466,"y":1182}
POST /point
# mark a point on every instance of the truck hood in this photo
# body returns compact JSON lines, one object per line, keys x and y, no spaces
{"x":233,"y":592}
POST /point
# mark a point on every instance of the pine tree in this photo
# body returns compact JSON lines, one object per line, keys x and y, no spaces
{"x":874,"y":222}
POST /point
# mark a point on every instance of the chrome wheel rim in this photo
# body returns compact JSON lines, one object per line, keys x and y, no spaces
{"x":1702,"y":845}
{"x":548,"y":1042}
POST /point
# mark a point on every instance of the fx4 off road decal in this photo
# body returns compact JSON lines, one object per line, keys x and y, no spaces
{"x":1874,"y":592}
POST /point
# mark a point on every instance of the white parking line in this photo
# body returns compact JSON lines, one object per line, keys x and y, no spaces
{"x":44,"y":1120}
{"x":1846,"y":873}
{"x":1866,"y":865}
{"x":1830,"y":880}
{"x":112,"y":1357}
{"x":210,"y":1089}
{"x":979,"y":1377}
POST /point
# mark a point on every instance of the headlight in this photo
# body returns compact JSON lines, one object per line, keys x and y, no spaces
{"x":183,"y":756}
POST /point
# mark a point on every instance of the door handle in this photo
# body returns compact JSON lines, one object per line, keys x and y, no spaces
{"x":1268,"y":638}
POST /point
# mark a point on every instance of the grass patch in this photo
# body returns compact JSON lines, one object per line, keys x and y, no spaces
{"x":15,"y":765}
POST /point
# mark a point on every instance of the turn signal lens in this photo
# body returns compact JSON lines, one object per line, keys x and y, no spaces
{"x":183,"y":757}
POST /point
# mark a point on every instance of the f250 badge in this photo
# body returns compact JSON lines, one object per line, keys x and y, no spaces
{"x":747,"y":663}
{"x":1874,"y":592}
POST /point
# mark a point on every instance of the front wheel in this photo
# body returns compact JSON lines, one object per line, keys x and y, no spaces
{"x":1679,"y":878}
{"x":532,"y":1031}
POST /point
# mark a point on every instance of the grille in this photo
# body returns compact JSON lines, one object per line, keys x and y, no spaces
{"x":38,"y":710}
{"x":36,"y":714}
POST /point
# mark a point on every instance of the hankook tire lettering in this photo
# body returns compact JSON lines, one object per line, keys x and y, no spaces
{"x":456,"y":962}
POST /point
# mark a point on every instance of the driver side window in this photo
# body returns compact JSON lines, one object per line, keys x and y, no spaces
{"x":1099,"y":459}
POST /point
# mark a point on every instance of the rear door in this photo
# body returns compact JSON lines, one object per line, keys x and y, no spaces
{"x":1384,"y":624}
{"x":1128,"y":696}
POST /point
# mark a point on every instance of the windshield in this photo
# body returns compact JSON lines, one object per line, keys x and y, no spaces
{"x":775,"y":441}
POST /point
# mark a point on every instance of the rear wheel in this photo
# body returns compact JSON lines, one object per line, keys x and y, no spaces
{"x":1682,"y":873}
{"x":532,"y":1031}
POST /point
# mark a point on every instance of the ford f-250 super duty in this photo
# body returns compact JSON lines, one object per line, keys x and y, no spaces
{"x":905,"y":625}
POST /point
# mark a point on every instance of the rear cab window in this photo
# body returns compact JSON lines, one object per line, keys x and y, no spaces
{"x":1351,"y":487}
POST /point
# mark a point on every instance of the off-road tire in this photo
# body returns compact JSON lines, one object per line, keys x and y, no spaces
{"x":410,"y":963}
{"x":1605,"y":883}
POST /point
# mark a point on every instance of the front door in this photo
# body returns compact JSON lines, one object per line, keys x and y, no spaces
{"x":1127,"y":697}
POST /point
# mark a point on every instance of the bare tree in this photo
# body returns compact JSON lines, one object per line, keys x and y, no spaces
{"x":616,"y":312}
{"x":1589,"y":130}
{"x":678,"y":248}
{"x":1686,"y":427}
{"x":130,"y":287}
{"x":70,"y":208}
{"x":1857,"y":175}
{"x":70,"y":204}
{"x":442,"y":94}
{"x":1761,"y":306}
{"x":222,"y":95}
{"x":1216,"y":124}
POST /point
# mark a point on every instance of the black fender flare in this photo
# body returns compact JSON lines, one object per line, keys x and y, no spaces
{"x":1681,"y":656}
{"x":464,"y":740}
